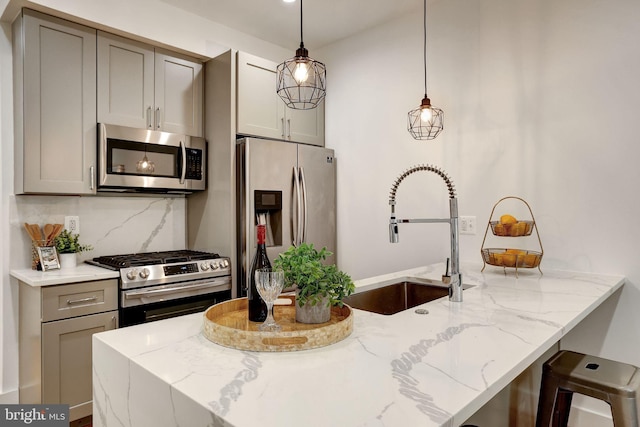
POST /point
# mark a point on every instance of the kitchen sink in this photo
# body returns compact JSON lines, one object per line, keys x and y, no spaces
{"x":397,"y":297}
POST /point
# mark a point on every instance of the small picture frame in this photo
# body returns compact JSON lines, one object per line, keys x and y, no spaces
{"x":48,"y":258}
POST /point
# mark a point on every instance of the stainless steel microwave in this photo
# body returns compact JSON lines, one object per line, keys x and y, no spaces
{"x":140,"y":160}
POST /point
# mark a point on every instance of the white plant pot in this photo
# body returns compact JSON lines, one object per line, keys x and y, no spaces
{"x":318,"y":313}
{"x":68,"y":260}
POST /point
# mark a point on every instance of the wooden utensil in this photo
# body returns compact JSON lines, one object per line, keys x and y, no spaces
{"x":48,"y":233}
{"x":29,"y":232}
{"x":36,"y":232}
{"x":57,"y":229}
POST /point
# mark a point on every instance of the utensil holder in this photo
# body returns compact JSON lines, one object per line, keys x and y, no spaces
{"x":35,"y":256}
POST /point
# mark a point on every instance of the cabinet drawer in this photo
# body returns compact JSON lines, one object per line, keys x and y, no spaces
{"x":79,"y":299}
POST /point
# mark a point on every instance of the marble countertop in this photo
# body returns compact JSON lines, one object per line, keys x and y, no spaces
{"x":400,"y":370}
{"x":81,"y":273}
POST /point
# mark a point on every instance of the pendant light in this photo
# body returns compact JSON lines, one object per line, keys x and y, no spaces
{"x":301,"y":81}
{"x":144,"y":165}
{"x":426,"y":121}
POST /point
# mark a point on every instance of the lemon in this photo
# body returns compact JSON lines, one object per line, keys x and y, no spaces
{"x":508,"y":219}
{"x":514,"y":251}
{"x":509,"y":260}
{"x":531,"y":260}
{"x":498,"y":259}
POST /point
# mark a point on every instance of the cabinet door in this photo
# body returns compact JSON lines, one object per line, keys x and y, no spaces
{"x":178,"y":94}
{"x":260,"y":110}
{"x":66,"y":370}
{"x":306,"y":126}
{"x":59,"y":106}
{"x":125,"y":82}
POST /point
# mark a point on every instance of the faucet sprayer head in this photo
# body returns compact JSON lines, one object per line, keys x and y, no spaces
{"x":393,"y":230}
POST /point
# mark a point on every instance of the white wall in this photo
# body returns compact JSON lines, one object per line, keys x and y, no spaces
{"x":541,"y":102}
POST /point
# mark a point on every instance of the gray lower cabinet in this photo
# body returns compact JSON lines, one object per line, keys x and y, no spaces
{"x":56,"y":326}
{"x":55,"y":105}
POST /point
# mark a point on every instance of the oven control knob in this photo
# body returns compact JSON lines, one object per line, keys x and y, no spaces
{"x":144,"y":273}
{"x":204,"y":266}
{"x":214,"y":265}
{"x":225,"y":263}
{"x":131,"y":274}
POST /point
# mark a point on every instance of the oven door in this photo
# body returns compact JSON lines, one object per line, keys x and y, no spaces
{"x":152,"y":303}
{"x":137,"y":159}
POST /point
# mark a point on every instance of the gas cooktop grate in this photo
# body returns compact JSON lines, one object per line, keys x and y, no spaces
{"x":151,"y":258}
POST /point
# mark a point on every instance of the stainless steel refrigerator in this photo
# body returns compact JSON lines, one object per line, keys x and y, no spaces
{"x":292,"y":188}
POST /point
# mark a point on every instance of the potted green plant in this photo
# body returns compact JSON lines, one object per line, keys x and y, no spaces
{"x":68,"y":246}
{"x":318,"y":286}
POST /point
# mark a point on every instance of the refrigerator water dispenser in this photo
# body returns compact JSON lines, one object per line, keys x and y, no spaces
{"x":268,"y":205}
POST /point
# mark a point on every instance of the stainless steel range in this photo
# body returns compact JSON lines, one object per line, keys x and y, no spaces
{"x":160,"y":285}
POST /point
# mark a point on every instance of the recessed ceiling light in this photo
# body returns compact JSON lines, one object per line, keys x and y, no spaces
{"x":288,"y":1}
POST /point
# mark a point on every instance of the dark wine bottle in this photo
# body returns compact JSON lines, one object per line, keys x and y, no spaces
{"x":257,"y":306}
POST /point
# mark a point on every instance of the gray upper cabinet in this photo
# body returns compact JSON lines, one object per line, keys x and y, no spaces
{"x":55,"y":105}
{"x":261,"y":112}
{"x":145,"y":87}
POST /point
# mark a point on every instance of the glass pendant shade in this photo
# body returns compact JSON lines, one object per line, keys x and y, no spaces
{"x":301,"y":81}
{"x":426,"y":121}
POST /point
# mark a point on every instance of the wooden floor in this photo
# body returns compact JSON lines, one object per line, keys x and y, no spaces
{"x":82,"y":422}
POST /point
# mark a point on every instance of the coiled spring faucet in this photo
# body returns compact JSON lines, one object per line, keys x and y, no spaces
{"x":455,"y":285}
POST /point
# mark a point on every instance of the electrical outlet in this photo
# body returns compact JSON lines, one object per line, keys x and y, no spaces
{"x":467,"y":225}
{"x":72,"y":224}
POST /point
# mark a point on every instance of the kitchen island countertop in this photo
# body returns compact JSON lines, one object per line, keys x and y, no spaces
{"x":400,"y":370}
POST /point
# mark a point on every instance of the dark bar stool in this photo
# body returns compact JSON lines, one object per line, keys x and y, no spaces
{"x":567,"y":372}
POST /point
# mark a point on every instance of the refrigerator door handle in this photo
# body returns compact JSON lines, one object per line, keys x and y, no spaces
{"x":298,"y":203}
{"x":303,"y":234}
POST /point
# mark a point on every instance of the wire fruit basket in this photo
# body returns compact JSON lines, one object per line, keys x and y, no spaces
{"x":509,"y":226}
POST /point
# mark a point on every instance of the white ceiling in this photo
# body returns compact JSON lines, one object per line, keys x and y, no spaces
{"x":325,"y":21}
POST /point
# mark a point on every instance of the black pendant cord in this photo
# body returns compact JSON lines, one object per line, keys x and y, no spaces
{"x":425,"y":47}
{"x":301,"y":40}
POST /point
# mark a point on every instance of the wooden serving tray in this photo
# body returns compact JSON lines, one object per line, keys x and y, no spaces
{"x":227,"y":324}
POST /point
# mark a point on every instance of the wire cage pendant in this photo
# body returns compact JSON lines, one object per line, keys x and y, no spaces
{"x":301,"y":82}
{"x":425,"y":122}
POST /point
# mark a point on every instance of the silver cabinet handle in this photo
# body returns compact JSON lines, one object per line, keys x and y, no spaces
{"x":289,"y":128}
{"x":149,"y":117}
{"x":158,"y":118}
{"x":282,"y":124}
{"x":81,"y":300}
{"x":92,"y":178}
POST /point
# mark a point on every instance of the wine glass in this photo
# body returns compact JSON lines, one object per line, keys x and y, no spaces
{"x":269,"y":283}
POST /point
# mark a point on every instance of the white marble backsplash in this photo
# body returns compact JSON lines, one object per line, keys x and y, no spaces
{"x":111,"y":224}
